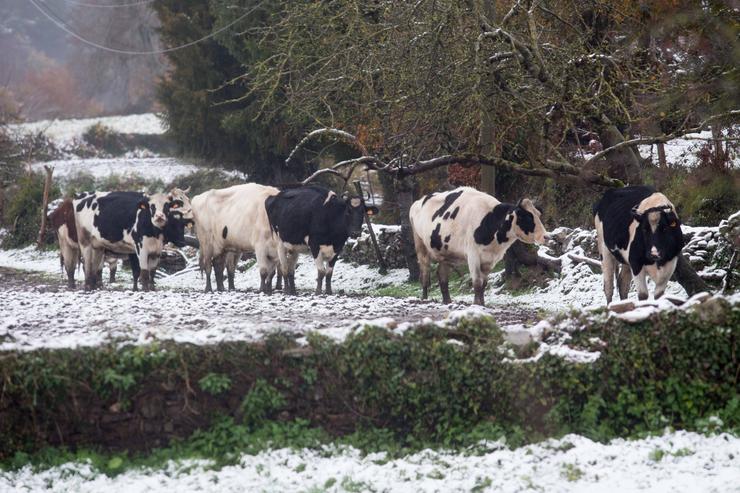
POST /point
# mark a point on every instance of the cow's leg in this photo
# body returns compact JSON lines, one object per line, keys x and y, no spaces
{"x":329,"y":273}
{"x":425,"y":265}
{"x":284,"y":267}
{"x":266,"y":266}
{"x":608,"y":269}
{"x":479,"y":280}
{"x":135,"y":269}
{"x":320,"y":272}
{"x":112,"y":267}
{"x":443,"y":276}
{"x":662,"y":276}
{"x":70,"y":258}
{"x":625,"y":277}
{"x":152,"y":264}
{"x":642,"y":288}
{"x":279,"y":281}
{"x":92,"y":258}
{"x":231,"y":262}
{"x":218,"y":270}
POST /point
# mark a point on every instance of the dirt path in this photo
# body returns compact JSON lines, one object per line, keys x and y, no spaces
{"x":39,"y":311}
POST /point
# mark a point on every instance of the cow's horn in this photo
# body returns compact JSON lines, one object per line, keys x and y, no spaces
{"x":187,"y":189}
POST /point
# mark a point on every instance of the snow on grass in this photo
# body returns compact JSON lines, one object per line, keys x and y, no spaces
{"x":63,"y":132}
{"x":152,"y":168}
{"x":675,"y":462}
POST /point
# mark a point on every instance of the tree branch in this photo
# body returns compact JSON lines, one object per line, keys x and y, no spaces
{"x":662,"y":138}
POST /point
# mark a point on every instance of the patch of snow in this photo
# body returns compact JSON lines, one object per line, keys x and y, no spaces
{"x":156,"y":168}
{"x":63,"y":132}
{"x":672,"y":463}
{"x":681,"y":152}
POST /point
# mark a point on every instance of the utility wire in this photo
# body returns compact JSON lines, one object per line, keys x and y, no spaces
{"x":107,"y":5}
{"x":61,"y":24}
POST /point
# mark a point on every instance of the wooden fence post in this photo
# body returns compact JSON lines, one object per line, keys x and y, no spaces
{"x":45,"y":204}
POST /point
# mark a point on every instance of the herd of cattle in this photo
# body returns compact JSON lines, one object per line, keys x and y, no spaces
{"x":639,"y":233}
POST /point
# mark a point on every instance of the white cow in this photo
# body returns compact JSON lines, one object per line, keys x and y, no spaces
{"x":468,"y":226}
{"x":234,"y":219}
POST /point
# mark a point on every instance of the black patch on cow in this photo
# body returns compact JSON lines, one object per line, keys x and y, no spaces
{"x":295,"y":213}
{"x":85,"y":202}
{"x":447,"y":238}
{"x":427,"y":197}
{"x":615,"y":212}
{"x":525,"y":220}
{"x":447,"y":247}
{"x":225,"y":232}
{"x":667,"y":239}
{"x":494,"y":224}
{"x":447,"y":215}
{"x":449,"y":200}
{"x":436,"y":240}
{"x":333,"y":260}
{"x":94,"y":206}
{"x":454,"y":212}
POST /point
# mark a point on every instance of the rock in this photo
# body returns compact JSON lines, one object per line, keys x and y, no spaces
{"x":517,"y":335}
{"x":699,"y":298}
{"x":712,"y":310}
{"x":621,"y":306}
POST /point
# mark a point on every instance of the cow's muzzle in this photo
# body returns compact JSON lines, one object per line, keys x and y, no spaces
{"x":159,"y":220}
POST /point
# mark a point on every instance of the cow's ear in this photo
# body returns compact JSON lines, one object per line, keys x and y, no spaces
{"x":636,"y":215}
{"x":142,"y":204}
{"x":372,"y":210}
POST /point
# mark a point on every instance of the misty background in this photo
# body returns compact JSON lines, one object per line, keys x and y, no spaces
{"x":47,"y":73}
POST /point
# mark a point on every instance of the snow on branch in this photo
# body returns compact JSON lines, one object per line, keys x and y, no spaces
{"x":335,"y":132}
{"x":663,"y":138}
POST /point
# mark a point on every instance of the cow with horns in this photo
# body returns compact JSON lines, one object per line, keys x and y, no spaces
{"x":468,"y":226}
{"x":638,"y":228}
{"x":314,"y":219}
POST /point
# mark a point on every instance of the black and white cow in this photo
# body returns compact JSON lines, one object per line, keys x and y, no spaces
{"x":466,"y":225}
{"x":638,"y":228}
{"x":127,"y":223}
{"x":232,"y":220}
{"x":312,"y":218}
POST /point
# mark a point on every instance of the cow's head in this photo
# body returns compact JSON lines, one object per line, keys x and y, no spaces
{"x":179,"y":204}
{"x":355,"y":214}
{"x":527,"y":225}
{"x":660,"y":229}
{"x":174,"y":232}
{"x":158,"y":207}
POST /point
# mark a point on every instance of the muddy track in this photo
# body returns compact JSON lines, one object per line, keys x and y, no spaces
{"x":39,"y":311}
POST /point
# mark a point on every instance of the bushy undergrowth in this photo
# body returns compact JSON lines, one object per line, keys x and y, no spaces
{"x":376,"y":390}
{"x":204,"y":180}
{"x":22,"y":213}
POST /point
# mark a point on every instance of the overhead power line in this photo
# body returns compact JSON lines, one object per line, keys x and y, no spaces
{"x":108,"y":5}
{"x":61,"y":24}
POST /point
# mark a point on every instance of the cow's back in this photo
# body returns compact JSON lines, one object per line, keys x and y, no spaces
{"x":64,"y":216}
{"x":446,"y":221}
{"x":614,"y":211}
{"x":233,"y":218}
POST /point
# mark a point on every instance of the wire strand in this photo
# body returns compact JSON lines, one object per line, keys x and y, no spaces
{"x":108,"y":6}
{"x":61,"y":24}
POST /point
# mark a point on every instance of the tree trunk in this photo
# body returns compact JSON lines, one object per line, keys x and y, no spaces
{"x":623,"y":163}
{"x":44,"y":205}
{"x":486,"y":142}
{"x":661,"y":155}
{"x":687,"y":277}
{"x":405,"y":197}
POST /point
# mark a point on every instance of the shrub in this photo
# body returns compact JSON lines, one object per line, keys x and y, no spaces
{"x":105,"y":138}
{"x":23,"y":210}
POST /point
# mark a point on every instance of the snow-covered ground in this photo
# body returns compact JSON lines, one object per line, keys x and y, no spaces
{"x":150,"y":168}
{"x":49,"y":316}
{"x":682,"y":152}
{"x":672,"y":463}
{"x":63,"y":132}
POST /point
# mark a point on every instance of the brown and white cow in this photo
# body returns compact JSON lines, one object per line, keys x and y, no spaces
{"x":232,"y":220}
{"x":468,"y":226}
{"x":638,"y":228}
